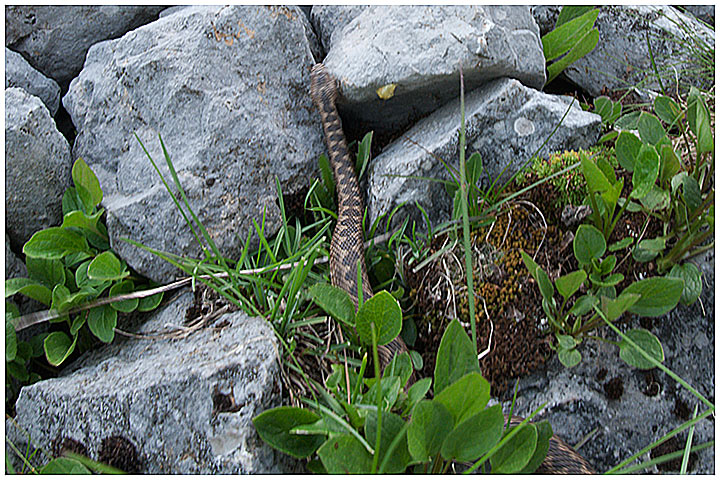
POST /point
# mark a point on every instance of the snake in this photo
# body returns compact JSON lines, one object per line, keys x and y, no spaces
{"x":347,"y":250}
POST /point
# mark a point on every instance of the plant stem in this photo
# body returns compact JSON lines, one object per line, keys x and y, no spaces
{"x":378,"y":398}
{"x":466,"y":223}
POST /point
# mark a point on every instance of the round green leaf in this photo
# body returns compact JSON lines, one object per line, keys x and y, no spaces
{"x":569,"y":358}
{"x":589,"y":243}
{"x":106,"y":266}
{"x":465,"y":397}
{"x":690,"y":274}
{"x":475,"y":436}
{"x":58,"y":346}
{"x":666,"y":108}
{"x":84,"y":178}
{"x":147,"y":304}
{"x":344,"y":454}
{"x":126,"y":286}
{"x":645,"y":340}
{"x":102,"y":321}
{"x":29,"y":288}
{"x":568,"y":284}
{"x":384,"y":312}
{"x":647,"y":168}
{"x":516,"y":453}
{"x":430,"y":424}
{"x":650,"y":129}
{"x":274,"y":427}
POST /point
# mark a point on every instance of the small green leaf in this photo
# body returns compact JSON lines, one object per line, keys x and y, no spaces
{"x":588,"y":244}
{"x":465,"y":397}
{"x":54,"y":243}
{"x":542,"y":279}
{"x":566,"y":342}
{"x":126,"y":306}
{"x":334,"y":301}
{"x":47,"y":272}
{"x":474,"y":168}
{"x":583,"y":305}
{"x":645,"y":340}
{"x":669,"y":164}
{"x":10,"y":341}
{"x":586,"y":45}
{"x":80,"y":219}
{"x":650,"y":129}
{"x":666,"y":108}
{"x":344,"y":454}
{"x":629,"y":121}
{"x":690,"y":274}
{"x":619,"y":245}
{"x":102,"y":322}
{"x":392,"y":424}
{"x":569,"y":358}
{"x":691,"y":193}
{"x":567,"y":35}
{"x":543,"y":443}
{"x":274,"y":427}
{"x":418,"y":390}
{"x":648,"y":249}
{"x":515,"y":454}
{"x":29,"y":288}
{"x":430,"y":424}
{"x":456,"y":357}
{"x":568,"y":284}
{"x":475,"y":436}
{"x":106,"y":266}
{"x":569,"y":12}
{"x":647,"y":168}
{"x":64,"y":466}
{"x":383,"y":311}
{"x":656,"y":199}
{"x":659,"y":295}
{"x":84,"y":178}
{"x":147,"y":304}
{"x":594,"y":176}
{"x":613,"y":308}
{"x":58,"y":347}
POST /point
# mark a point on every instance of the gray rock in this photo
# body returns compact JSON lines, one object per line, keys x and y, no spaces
{"x":706,"y":13}
{"x":420,"y":50}
{"x":228,"y":90}
{"x":621,"y":59}
{"x":506,"y":123}
{"x":19,"y":73}
{"x":577,"y":403}
{"x":330,"y":19}
{"x":184,"y":405}
{"x":55,"y":39}
{"x":37,"y":166}
{"x":545,"y":16}
{"x":14,"y":267}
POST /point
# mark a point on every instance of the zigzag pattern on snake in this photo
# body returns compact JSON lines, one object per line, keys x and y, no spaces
{"x":346,"y":249}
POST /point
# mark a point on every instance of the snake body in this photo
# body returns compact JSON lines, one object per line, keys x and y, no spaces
{"x":347,"y":249}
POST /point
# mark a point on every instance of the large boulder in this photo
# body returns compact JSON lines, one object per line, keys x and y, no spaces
{"x":55,"y":38}
{"x":419,"y":50}
{"x":506,"y":122}
{"x":160,"y":405}
{"x":19,"y":73}
{"x":37,"y":167}
{"x":227,"y":88}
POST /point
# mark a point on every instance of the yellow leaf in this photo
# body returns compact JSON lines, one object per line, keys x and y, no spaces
{"x":386,"y":92}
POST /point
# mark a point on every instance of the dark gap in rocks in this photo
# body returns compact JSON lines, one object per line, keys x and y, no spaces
{"x":61,"y":445}
{"x":601,"y":374}
{"x":669,"y":446}
{"x":120,"y":453}
{"x":614,"y":388}
{"x":65,"y":125}
{"x":681,"y":410}
{"x":224,"y":402}
{"x":652,"y":384}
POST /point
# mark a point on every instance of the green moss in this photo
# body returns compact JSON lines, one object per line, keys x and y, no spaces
{"x":571,"y":185}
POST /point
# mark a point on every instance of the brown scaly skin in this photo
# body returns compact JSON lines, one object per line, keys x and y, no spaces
{"x":346,"y":250}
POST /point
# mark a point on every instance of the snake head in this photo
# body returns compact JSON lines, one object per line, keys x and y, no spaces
{"x":322,"y":86}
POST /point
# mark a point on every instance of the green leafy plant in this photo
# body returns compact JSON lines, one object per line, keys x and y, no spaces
{"x":365,"y":429}
{"x":572,"y":321}
{"x":572,"y":38}
{"x":68,"y":266}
